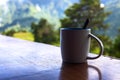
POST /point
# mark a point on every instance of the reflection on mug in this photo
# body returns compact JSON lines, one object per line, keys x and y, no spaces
{"x":77,"y":71}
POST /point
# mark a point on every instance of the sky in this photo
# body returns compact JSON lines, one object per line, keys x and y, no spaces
{"x":3,"y":2}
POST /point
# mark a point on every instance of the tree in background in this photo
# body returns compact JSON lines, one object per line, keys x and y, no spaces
{"x":77,"y":14}
{"x":115,"y":48}
{"x":44,"y":32}
{"x":11,"y":30}
{"x":18,"y":32}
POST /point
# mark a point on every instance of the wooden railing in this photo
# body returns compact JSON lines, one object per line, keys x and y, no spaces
{"x":24,"y":60}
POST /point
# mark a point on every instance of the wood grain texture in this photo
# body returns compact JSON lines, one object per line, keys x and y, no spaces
{"x":24,"y":60}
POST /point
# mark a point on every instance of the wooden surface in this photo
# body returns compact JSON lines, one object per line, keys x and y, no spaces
{"x":24,"y":60}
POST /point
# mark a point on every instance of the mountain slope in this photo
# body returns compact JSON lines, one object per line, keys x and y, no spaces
{"x":113,"y":20}
{"x":24,"y":12}
{"x":18,"y":10}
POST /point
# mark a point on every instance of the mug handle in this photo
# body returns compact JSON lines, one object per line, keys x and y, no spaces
{"x":100,"y":44}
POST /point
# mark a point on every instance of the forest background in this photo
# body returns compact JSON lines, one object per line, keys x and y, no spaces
{"x":41,"y":20}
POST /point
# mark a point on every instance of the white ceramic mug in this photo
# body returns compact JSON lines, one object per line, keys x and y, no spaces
{"x":75,"y":45}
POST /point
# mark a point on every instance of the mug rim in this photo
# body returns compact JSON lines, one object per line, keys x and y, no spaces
{"x":74,"y":29}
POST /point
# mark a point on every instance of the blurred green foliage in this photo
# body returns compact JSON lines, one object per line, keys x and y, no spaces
{"x":11,"y":30}
{"x":24,"y":35}
{"x":79,"y":12}
{"x":44,"y":32}
{"x":18,"y":32}
{"x":107,"y":42}
{"x":115,"y":48}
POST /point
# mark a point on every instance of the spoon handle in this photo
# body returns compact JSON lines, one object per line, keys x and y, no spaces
{"x":86,"y":23}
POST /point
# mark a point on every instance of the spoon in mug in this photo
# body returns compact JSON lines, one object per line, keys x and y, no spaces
{"x":86,"y":23}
